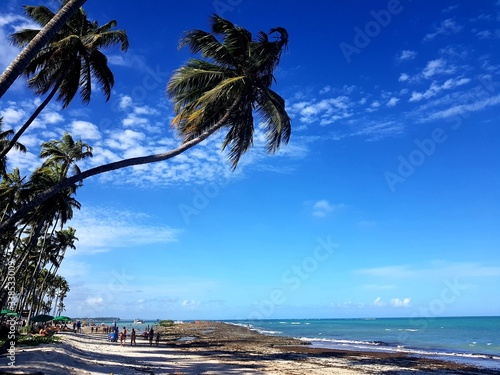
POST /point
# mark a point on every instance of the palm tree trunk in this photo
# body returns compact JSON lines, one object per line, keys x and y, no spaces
{"x":35,"y":114}
{"x":20,"y":63}
{"x":67,"y":182}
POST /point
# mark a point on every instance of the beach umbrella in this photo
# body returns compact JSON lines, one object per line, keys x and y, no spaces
{"x":7,"y":311}
{"x":62,"y":318}
{"x":42,"y":318}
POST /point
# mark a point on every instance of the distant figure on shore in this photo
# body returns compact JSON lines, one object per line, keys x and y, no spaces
{"x":132,"y":337}
{"x":157,"y":338}
{"x":92,"y":329}
{"x":151,"y":335}
{"x":79,"y":327}
{"x":123,"y":336}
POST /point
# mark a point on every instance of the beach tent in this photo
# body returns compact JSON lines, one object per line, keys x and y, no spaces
{"x":62,"y":318}
{"x":42,"y":318}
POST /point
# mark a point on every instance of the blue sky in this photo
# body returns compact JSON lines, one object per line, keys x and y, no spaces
{"x":384,"y":203}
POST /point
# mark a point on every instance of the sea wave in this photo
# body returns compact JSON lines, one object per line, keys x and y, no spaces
{"x":485,"y":360}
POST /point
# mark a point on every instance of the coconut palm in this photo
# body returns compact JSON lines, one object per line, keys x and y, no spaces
{"x":4,"y":143}
{"x":71,"y":61}
{"x":15,"y":69}
{"x":235,"y":73}
{"x":222,"y":91}
{"x":66,"y":152}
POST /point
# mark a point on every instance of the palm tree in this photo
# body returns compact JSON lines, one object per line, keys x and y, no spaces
{"x":238,"y":70}
{"x":66,"y":152}
{"x":20,"y":63}
{"x":4,"y":143}
{"x":223,"y":91}
{"x":70,"y":61}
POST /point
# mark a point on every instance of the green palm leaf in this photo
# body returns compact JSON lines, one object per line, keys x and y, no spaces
{"x":236,"y":72}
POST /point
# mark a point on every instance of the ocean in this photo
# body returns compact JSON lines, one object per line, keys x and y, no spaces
{"x":473,"y":340}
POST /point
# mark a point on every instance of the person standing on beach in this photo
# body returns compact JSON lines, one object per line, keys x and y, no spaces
{"x":132,"y":337}
{"x":123,"y":336}
{"x":151,"y":335}
{"x":157,"y":338}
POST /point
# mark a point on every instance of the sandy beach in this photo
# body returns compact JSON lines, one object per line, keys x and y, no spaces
{"x":210,"y":348}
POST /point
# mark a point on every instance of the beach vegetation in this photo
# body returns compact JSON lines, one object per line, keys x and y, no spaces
{"x":166,"y":323}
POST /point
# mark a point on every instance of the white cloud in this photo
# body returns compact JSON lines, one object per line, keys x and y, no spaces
{"x":403,"y":302}
{"x":462,"y":109}
{"x":325,"y":89}
{"x":392,"y":102}
{"x":437,"y":66}
{"x":407,"y":55}
{"x":189,"y":304}
{"x":84,"y":130}
{"x":377,"y":130}
{"x":434,"y":89}
{"x":447,"y":27}
{"x":101,"y":230}
{"x":488,"y":34}
{"x":125,"y":102}
{"x":94,"y":300}
{"x":12,"y":116}
{"x":403,"y":77}
{"x":325,"y":112}
{"x":125,"y":140}
{"x":394,"y":302}
{"x":323,"y":207}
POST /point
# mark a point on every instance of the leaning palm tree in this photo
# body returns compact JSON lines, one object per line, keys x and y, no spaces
{"x":15,"y":69}
{"x":230,"y":84}
{"x":222,"y":91}
{"x":71,"y":61}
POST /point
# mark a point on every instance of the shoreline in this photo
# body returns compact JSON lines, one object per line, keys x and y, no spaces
{"x":215,"y":348}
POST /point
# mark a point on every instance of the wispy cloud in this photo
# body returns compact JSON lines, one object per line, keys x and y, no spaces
{"x":437,"y":66}
{"x":323,"y":208}
{"x":394,"y":302}
{"x":407,"y":55}
{"x":435,"y":88}
{"x":437,"y":269}
{"x":101,"y":230}
{"x":447,"y":27}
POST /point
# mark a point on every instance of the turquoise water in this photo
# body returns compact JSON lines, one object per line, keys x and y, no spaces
{"x":139,"y":327}
{"x":465,"y":339}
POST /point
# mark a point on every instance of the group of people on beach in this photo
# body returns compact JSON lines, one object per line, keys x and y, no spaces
{"x":133,"y":334}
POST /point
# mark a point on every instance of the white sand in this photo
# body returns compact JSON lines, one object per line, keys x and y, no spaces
{"x":93,"y":354}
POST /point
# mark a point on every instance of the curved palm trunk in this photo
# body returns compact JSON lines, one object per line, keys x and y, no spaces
{"x":22,"y":211}
{"x":32,"y":118}
{"x":22,"y":60}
